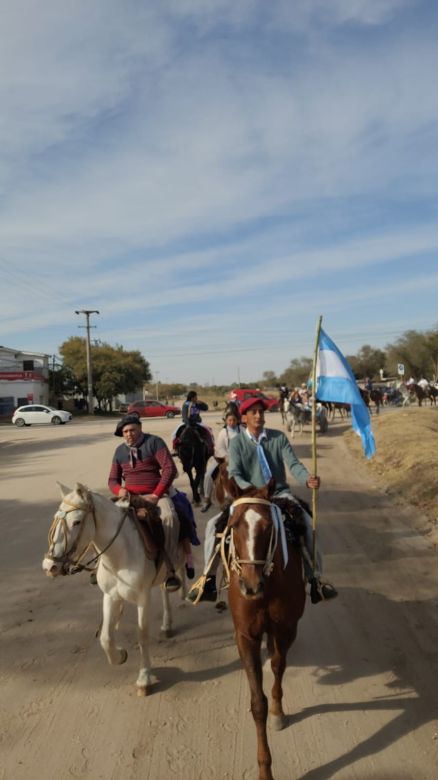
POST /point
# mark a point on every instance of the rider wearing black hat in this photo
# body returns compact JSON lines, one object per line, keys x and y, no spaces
{"x":143,"y":466}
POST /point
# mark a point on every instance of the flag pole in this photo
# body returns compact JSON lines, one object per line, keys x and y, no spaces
{"x":314,"y":455}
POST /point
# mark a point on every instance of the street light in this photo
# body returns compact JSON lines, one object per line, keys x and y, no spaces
{"x":157,"y":382}
{"x":90,"y":394}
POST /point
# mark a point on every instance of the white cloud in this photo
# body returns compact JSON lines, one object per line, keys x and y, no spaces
{"x":157,"y":141}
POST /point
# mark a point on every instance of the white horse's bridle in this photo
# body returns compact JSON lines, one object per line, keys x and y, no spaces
{"x":59,"y":519}
{"x":68,"y":564}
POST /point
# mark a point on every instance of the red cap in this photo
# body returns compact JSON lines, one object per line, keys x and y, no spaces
{"x":249,"y":402}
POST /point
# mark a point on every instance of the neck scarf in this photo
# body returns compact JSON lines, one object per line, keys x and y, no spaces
{"x":263,"y":462}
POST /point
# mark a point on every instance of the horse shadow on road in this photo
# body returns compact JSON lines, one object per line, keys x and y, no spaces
{"x":393,"y":650}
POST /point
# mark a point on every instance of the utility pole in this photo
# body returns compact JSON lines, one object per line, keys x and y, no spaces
{"x":87,"y":313}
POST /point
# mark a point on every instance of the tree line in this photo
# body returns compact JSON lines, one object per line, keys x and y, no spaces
{"x":416,"y":350}
{"x":117,"y":371}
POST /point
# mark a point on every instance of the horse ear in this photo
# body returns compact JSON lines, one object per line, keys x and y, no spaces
{"x":233,"y":488}
{"x":271,"y":487}
{"x":81,"y":489}
{"x":64,"y":489}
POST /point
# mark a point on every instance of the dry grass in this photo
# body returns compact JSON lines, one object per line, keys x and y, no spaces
{"x":406,"y":462}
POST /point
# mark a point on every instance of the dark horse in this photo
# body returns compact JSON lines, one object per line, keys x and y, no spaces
{"x":374,"y":395}
{"x":192,"y":450}
{"x":265,"y":597}
{"x":423,"y":393}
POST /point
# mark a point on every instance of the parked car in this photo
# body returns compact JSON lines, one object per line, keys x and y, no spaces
{"x":153,"y":409}
{"x":37,"y":414}
{"x":241,"y":395}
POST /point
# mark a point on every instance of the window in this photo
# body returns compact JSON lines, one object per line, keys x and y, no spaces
{"x":28,"y":365}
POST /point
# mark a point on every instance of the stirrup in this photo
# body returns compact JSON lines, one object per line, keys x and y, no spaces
{"x":201,"y":592}
{"x":321,"y":591}
{"x":172,"y":583}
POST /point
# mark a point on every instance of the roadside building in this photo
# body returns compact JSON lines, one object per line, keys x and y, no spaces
{"x":24,"y":379}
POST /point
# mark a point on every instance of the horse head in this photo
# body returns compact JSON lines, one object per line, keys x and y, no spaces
{"x":253,"y":537}
{"x":70,"y":533}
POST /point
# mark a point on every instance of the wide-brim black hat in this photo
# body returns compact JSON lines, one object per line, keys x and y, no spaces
{"x":128,"y":419}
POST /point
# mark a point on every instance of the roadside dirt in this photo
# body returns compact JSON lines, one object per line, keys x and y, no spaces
{"x":406,"y":461}
{"x":360,"y":688}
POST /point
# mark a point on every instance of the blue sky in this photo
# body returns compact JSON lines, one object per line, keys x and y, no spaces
{"x":213,"y":176}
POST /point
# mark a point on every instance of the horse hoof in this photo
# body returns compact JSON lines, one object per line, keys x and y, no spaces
{"x":122,"y":657}
{"x":167,"y":633}
{"x":277,"y":722}
{"x":144,"y":690}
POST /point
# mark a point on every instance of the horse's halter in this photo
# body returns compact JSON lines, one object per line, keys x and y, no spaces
{"x":59,"y":519}
{"x":231,"y":559}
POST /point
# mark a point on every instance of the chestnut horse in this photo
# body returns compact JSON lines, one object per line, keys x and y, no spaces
{"x":266,"y":596}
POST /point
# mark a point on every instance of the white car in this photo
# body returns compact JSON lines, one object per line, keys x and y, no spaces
{"x":37,"y":414}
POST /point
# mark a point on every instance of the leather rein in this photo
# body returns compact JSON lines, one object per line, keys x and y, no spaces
{"x":68,"y":564}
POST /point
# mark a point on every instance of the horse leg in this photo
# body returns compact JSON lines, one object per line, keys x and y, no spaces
{"x":249,"y":651}
{"x":196,"y":500}
{"x":112,"y":609}
{"x":144,"y":676}
{"x":278,"y":646}
{"x":166,"y":625}
{"x":199,"y":482}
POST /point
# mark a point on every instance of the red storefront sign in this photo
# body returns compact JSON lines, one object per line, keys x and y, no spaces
{"x":27,"y":375}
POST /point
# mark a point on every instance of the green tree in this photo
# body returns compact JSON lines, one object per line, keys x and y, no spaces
{"x":299,"y":371}
{"x":269,"y":380}
{"x":367,"y":362}
{"x":115,"y":370}
{"x":417,"y":350}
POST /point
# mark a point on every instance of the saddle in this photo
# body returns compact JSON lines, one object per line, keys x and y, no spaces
{"x":293,"y":517}
{"x":292,"y":513}
{"x":149,"y":525}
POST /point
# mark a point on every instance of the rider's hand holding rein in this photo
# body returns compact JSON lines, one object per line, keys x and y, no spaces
{"x":313,"y":482}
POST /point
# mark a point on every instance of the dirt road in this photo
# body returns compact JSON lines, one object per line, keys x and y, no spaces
{"x":361,"y":686}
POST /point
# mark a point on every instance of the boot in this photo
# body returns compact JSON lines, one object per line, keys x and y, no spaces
{"x":203,"y":591}
{"x":321,"y":591}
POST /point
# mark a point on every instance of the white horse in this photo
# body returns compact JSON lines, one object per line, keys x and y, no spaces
{"x":124,"y":572}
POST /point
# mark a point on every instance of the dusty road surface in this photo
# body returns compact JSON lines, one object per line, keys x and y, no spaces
{"x":361,"y":685}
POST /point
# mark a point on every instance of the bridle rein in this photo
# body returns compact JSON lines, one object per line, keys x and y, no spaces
{"x":68,"y":564}
{"x":231,"y":560}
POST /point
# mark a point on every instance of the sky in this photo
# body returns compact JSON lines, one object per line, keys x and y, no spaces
{"x":213,"y":176}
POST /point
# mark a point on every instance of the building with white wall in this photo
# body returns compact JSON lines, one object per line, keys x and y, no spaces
{"x":24,"y":379}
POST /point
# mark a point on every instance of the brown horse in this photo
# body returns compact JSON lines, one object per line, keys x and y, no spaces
{"x":266,"y":596}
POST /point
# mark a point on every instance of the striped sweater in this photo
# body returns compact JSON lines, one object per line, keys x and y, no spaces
{"x":147,"y":468}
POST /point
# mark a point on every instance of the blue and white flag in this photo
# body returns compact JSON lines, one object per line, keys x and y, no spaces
{"x":335,"y":382}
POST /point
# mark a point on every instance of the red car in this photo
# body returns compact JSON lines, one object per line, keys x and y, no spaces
{"x":153,"y":409}
{"x":243,"y":393}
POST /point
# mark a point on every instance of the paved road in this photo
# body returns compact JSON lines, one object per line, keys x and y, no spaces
{"x":361,"y":683}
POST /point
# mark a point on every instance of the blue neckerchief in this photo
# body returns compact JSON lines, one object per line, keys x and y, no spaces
{"x":264,"y":465}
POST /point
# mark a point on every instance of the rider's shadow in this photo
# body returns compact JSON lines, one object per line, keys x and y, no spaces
{"x":399,"y":660}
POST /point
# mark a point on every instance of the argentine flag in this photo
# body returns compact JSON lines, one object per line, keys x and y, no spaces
{"x":335,"y":382}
